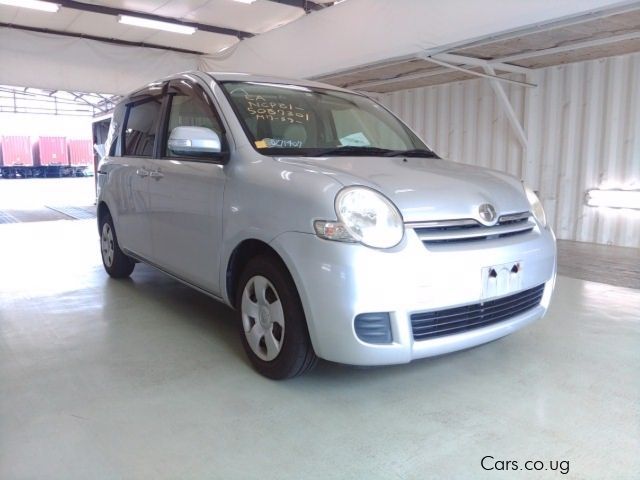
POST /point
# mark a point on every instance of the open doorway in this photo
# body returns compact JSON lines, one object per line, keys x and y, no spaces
{"x":50,"y":145}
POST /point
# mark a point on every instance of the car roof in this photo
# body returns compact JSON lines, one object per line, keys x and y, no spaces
{"x":233,"y":77}
{"x":252,"y":77}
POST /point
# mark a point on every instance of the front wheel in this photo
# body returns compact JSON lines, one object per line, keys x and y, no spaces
{"x":116,"y":263}
{"x":273,"y":326}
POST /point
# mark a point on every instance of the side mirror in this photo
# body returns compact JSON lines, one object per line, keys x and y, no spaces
{"x":194,"y":142}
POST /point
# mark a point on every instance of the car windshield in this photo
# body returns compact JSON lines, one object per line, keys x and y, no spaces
{"x":285,"y":119}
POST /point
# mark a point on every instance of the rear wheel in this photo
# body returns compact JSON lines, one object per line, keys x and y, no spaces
{"x":272,"y":322}
{"x":116,"y":263}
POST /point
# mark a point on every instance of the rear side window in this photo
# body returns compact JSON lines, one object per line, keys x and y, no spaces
{"x":141,"y":127}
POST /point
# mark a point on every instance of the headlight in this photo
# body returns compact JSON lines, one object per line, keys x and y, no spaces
{"x":536,"y":206}
{"x":364,"y":216}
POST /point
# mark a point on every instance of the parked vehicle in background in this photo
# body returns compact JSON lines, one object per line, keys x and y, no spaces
{"x":330,"y":227}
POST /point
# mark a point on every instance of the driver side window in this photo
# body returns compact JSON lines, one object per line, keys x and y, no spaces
{"x":190,"y":109}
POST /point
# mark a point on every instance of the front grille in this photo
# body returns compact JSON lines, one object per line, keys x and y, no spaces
{"x":467,"y":230}
{"x":427,"y":325}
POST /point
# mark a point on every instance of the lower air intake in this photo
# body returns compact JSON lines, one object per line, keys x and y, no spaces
{"x":451,"y":321}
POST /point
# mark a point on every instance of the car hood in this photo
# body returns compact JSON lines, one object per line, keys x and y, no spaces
{"x":425,"y":188}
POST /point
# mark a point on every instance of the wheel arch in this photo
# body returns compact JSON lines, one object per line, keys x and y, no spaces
{"x":240,"y":257}
{"x":101,"y":211}
{"x":250,"y":248}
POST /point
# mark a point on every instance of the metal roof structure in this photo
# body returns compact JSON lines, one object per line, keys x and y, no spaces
{"x":608,"y":32}
{"x":54,"y":102}
{"x":83,"y":46}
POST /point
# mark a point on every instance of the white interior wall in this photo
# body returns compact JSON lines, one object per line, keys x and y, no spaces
{"x":49,"y":61}
{"x":583,"y":124}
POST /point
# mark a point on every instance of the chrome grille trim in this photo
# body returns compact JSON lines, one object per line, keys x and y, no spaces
{"x":479,"y":232}
{"x":443,"y":223}
{"x":468,"y":229}
{"x":514,"y":217}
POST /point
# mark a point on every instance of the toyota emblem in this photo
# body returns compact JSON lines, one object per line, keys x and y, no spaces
{"x":487,"y":212}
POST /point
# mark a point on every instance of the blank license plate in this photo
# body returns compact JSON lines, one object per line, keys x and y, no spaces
{"x":500,"y":280}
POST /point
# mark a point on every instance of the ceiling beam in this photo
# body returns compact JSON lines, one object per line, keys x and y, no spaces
{"x":364,"y":85}
{"x":512,"y":116}
{"x":306,"y":5}
{"x":89,"y":7}
{"x":114,"y":41}
{"x":477,"y":74}
{"x":479,"y":62}
{"x":447,"y":67}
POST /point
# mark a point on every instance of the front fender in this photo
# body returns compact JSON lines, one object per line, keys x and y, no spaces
{"x":264,"y":198}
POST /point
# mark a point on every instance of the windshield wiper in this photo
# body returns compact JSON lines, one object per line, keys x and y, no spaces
{"x":352,"y":150}
{"x":416,"y":152}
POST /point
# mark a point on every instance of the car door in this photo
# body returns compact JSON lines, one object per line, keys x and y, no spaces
{"x":186,"y":193}
{"x":136,"y":148}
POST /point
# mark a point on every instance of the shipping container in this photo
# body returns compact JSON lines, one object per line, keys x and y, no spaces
{"x":52,"y":151}
{"x":16,"y":151}
{"x":583,"y":127}
{"x":80,"y":152}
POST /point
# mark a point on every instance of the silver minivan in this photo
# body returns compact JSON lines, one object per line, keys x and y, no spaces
{"x":331,"y":228}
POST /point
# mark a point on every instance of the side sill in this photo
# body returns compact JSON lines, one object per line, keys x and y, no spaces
{"x":174,"y":276}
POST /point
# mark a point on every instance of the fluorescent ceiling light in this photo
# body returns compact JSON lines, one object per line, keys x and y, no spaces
{"x":156,"y":24}
{"x":614,"y":198}
{"x":245,"y":1}
{"x":33,"y":5}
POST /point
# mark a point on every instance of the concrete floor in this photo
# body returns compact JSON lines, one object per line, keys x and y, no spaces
{"x":147,"y":379}
{"x":33,"y":193}
{"x":46,"y":199}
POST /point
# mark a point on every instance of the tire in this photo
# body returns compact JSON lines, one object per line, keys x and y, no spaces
{"x":273,"y":327}
{"x":116,"y":263}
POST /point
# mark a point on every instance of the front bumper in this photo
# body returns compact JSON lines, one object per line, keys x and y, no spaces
{"x":338,"y":281}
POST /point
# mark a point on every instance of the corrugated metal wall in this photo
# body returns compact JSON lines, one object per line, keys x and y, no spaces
{"x":583,"y":126}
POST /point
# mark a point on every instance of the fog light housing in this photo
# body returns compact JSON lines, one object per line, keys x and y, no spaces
{"x":373,"y":327}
